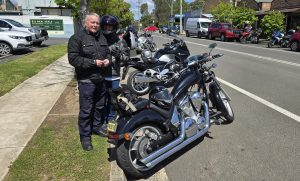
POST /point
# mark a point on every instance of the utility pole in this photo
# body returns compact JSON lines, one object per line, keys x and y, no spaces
{"x":172,"y":13}
{"x":139,"y":17}
{"x":180,"y":22}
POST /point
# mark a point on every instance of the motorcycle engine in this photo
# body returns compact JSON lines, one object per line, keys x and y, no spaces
{"x":190,"y":105}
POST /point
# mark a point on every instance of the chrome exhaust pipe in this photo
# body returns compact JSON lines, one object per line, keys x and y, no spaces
{"x":140,"y":79}
{"x":166,"y":148}
{"x":162,"y":156}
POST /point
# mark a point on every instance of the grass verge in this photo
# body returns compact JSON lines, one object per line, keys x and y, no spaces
{"x":55,"y":153}
{"x":15,"y":72}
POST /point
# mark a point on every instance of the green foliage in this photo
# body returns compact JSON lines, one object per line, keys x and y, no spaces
{"x":272,"y":21}
{"x":223,"y":12}
{"x":243,"y":14}
{"x":226,"y":12}
{"x":144,"y":9}
{"x":176,"y":7}
{"x":71,"y":4}
{"x":197,"y":4}
{"x":163,"y":10}
{"x":147,"y":20}
{"x":118,"y":8}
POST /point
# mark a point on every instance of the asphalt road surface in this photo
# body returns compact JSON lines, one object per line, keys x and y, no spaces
{"x":263,"y":143}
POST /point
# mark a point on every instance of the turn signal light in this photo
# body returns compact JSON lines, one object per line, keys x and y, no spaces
{"x":127,"y":136}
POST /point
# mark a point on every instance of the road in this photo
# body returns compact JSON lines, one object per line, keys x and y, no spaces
{"x":263,"y":143}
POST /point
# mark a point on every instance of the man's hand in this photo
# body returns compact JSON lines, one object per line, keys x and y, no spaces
{"x":102,"y":63}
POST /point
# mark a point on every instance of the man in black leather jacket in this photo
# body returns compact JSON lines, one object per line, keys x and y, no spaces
{"x":88,"y":52}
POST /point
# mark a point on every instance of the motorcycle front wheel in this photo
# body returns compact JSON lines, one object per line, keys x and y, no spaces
{"x":136,"y":87}
{"x":224,"y":106}
{"x":129,"y":153}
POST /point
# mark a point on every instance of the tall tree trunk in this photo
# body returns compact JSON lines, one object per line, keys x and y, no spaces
{"x":84,"y":10}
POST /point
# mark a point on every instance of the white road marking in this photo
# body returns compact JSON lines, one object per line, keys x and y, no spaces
{"x":247,"y":54}
{"x":263,"y":101}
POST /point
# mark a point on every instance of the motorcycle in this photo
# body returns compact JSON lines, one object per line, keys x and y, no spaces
{"x":276,"y":39}
{"x":286,"y":38}
{"x":145,"y":41}
{"x":175,"y":52}
{"x":251,"y":36}
{"x":146,"y":132}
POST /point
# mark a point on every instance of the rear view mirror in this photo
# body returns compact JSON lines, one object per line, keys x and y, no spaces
{"x":213,"y":45}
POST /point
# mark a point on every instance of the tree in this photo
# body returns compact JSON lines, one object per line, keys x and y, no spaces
{"x":118,"y":8}
{"x":197,"y":4}
{"x":162,"y":12}
{"x":144,"y":9}
{"x":272,"y":21}
{"x":185,"y":7}
{"x":226,"y":12}
{"x":243,"y":14}
{"x":223,"y":12}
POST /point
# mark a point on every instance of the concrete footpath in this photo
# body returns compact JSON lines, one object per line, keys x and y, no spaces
{"x":24,"y":109}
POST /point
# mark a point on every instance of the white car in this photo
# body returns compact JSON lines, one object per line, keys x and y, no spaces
{"x":13,"y":40}
{"x":37,"y":33}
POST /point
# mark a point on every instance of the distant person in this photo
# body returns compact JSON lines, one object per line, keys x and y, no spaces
{"x":88,"y":52}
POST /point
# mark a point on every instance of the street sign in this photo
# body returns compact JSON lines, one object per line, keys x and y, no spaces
{"x":53,"y":26}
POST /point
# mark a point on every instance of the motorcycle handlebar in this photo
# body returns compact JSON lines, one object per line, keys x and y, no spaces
{"x":197,"y":59}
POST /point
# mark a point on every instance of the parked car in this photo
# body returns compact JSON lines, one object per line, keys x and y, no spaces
{"x":197,"y":26}
{"x":13,"y":40}
{"x":294,"y":42}
{"x":173,"y":29}
{"x":224,"y":31}
{"x":40,"y":34}
{"x":150,"y":28}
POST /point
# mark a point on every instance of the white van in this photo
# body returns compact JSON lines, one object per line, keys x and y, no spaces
{"x":197,"y":26}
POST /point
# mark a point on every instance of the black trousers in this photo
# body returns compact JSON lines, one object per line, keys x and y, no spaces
{"x":92,"y":113}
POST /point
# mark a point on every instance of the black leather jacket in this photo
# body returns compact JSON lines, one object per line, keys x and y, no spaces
{"x":119,"y":52}
{"x":83,"y":49}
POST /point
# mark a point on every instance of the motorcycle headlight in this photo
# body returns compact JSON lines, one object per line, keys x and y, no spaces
{"x":16,"y":37}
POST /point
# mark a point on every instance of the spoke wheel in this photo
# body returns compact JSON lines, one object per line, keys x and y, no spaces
{"x":136,"y":87}
{"x":295,"y":46}
{"x":141,"y":144}
{"x":5,"y":49}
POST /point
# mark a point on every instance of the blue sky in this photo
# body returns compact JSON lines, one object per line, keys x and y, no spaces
{"x":134,"y":6}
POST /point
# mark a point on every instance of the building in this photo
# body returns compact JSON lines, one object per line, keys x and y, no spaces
{"x":42,"y":13}
{"x":7,"y":7}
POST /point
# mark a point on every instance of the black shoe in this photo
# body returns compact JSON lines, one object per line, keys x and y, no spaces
{"x":86,"y":145}
{"x":101,"y":131}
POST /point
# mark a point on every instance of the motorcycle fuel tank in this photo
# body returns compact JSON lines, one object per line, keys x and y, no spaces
{"x":184,"y":83}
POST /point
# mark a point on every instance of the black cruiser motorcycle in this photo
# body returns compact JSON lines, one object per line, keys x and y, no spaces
{"x":173,"y":55}
{"x":146,"y":132}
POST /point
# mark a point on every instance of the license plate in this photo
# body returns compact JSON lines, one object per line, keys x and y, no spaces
{"x":112,"y":126}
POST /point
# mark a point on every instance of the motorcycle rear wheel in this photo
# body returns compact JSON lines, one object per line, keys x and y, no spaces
{"x":130,"y":152}
{"x":137,"y":88}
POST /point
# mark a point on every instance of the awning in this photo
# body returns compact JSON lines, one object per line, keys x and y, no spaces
{"x":291,"y":10}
